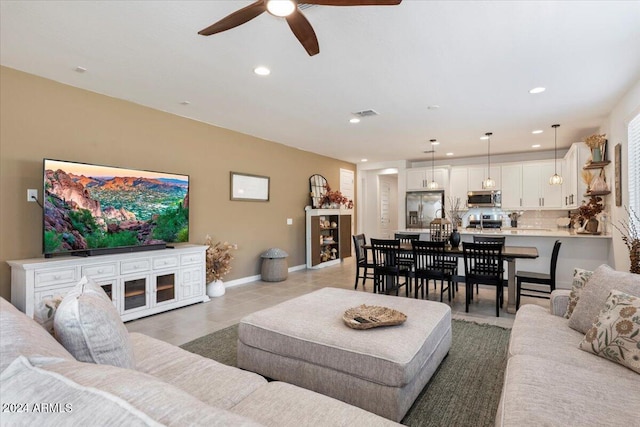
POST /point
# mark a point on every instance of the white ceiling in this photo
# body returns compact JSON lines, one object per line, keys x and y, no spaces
{"x":476,"y":60}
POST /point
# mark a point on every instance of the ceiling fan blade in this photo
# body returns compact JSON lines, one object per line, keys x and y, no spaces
{"x":353,"y":2}
{"x":238,"y":17}
{"x":304,"y":32}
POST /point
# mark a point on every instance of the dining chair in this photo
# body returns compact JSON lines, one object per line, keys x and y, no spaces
{"x":388,"y":271}
{"x":483,"y":265}
{"x":364,"y":266}
{"x":406,"y":258}
{"x":430,"y":264}
{"x":450,"y":261}
{"x":488,"y":239}
{"x":540,"y":279}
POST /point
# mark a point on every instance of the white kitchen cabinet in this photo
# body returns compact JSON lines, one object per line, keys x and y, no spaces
{"x":537,"y":193}
{"x":477,"y":175}
{"x":138,"y":283}
{"x":458,"y":186}
{"x":419,"y":178}
{"x":573,"y":188}
{"x":511,"y":177}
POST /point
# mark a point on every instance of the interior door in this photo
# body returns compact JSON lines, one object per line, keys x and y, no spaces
{"x":384,"y":230}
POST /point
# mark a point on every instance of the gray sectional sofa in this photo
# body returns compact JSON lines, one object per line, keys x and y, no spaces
{"x":42,"y":384}
{"x":549,"y":381}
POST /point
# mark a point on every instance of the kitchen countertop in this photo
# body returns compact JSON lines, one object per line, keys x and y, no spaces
{"x":514,"y":232}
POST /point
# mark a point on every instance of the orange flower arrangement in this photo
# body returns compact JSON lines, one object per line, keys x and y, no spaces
{"x":335,"y":197}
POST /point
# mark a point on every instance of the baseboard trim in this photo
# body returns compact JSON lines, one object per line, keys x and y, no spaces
{"x":249,"y":279}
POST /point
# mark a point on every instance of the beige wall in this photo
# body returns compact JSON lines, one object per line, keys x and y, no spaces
{"x":40,"y":118}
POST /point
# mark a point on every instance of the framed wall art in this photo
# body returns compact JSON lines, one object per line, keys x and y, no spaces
{"x":247,"y":187}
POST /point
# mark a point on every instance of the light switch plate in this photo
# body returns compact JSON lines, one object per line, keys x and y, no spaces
{"x":289,"y":221}
{"x":32,"y":195}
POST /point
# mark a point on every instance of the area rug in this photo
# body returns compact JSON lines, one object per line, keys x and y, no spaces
{"x":464,"y":391}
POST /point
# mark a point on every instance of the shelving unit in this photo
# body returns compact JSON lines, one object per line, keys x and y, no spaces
{"x":328,"y":236}
{"x":139,"y":284}
{"x":596,"y":165}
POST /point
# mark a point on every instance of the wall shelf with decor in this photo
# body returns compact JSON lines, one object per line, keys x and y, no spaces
{"x":328,"y":236}
{"x":596,"y":165}
{"x":596,"y":193}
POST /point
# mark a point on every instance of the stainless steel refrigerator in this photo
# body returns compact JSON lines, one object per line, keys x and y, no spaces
{"x":423,"y":207}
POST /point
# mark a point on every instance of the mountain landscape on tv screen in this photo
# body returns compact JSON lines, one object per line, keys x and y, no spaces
{"x":90,"y":212}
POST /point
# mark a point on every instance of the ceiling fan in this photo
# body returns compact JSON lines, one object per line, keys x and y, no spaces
{"x":288,"y":9}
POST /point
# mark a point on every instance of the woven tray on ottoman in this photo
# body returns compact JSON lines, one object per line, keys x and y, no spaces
{"x":304,"y":341}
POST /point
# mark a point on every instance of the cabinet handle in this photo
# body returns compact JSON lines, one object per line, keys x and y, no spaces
{"x":520,"y":201}
{"x":542,"y":201}
{"x":566,"y":199}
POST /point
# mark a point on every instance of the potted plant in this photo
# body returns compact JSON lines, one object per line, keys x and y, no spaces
{"x":630,"y":232}
{"x":334,"y":199}
{"x":454,"y":213}
{"x":218,"y":265}
{"x":587,"y":215}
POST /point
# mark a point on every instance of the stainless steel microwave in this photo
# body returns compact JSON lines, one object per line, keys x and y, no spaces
{"x":484,"y":199}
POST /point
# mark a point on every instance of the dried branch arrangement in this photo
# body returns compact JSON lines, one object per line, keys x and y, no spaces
{"x":218,"y":259}
{"x":630,"y":232}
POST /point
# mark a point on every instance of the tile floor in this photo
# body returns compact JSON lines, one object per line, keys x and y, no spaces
{"x":182,"y":325}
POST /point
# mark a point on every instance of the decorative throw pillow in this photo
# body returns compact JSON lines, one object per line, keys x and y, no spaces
{"x":595,"y":294}
{"x":616,"y":333}
{"x":580,"y":278}
{"x":45,"y":311}
{"x":88,"y":325}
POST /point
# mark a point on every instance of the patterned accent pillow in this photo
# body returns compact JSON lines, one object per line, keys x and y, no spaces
{"x":45,"y":311}
{"x":616,"y":333}
{"x":580,"y":278}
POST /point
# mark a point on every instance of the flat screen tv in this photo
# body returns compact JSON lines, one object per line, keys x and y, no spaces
{"x":92,"y":209}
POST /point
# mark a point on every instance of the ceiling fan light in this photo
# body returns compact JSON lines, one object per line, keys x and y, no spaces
{"x":281,"y":8}
{"x":555,"y":180}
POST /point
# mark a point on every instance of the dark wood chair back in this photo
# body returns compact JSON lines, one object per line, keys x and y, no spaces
{"x":554,"y":264}
{"x":483,"y":262}
{"x":489,"y":239}
{"x":359,"y":241}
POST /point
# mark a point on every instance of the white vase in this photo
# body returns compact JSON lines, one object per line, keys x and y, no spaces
{"x":215,"y":288}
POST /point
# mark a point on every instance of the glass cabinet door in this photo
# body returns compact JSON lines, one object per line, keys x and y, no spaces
{"x":135,"y":293}
{"x":165,"y":288}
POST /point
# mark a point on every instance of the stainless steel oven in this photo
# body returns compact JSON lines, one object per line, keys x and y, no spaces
{"x":484,"y":199}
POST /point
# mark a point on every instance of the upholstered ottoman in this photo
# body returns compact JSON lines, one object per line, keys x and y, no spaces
{"x":304,"y":341}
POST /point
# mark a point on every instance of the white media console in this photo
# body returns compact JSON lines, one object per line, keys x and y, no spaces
{"x":139,"y":283}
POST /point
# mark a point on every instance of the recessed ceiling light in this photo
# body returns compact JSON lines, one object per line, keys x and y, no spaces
{"x":364,"y":160}
{"x":484,"y":137}
{"x":537,"y":131}
{"x":449,"y":154}
{"x":435,"y":143}
{"x":185,"y":103}
{"x":262,"y":71}
{"x":535,"y":146}
{"x":537,"y":90}
{"x":80,"y":69}
{"x":354,"y":120}
{"x":433,"y":107}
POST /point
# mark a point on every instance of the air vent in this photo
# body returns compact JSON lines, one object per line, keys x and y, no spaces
{"x":366,"y":113}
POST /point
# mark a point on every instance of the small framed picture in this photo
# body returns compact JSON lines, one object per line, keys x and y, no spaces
{"x":247,"y":187}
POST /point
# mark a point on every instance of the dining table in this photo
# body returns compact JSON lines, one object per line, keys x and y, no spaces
{"x":510,"y":255}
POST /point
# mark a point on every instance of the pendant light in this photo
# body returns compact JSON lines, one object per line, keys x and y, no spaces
{"x":433,"y":185}
{"x":555,"y":179}
{"x":488,"y":183}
